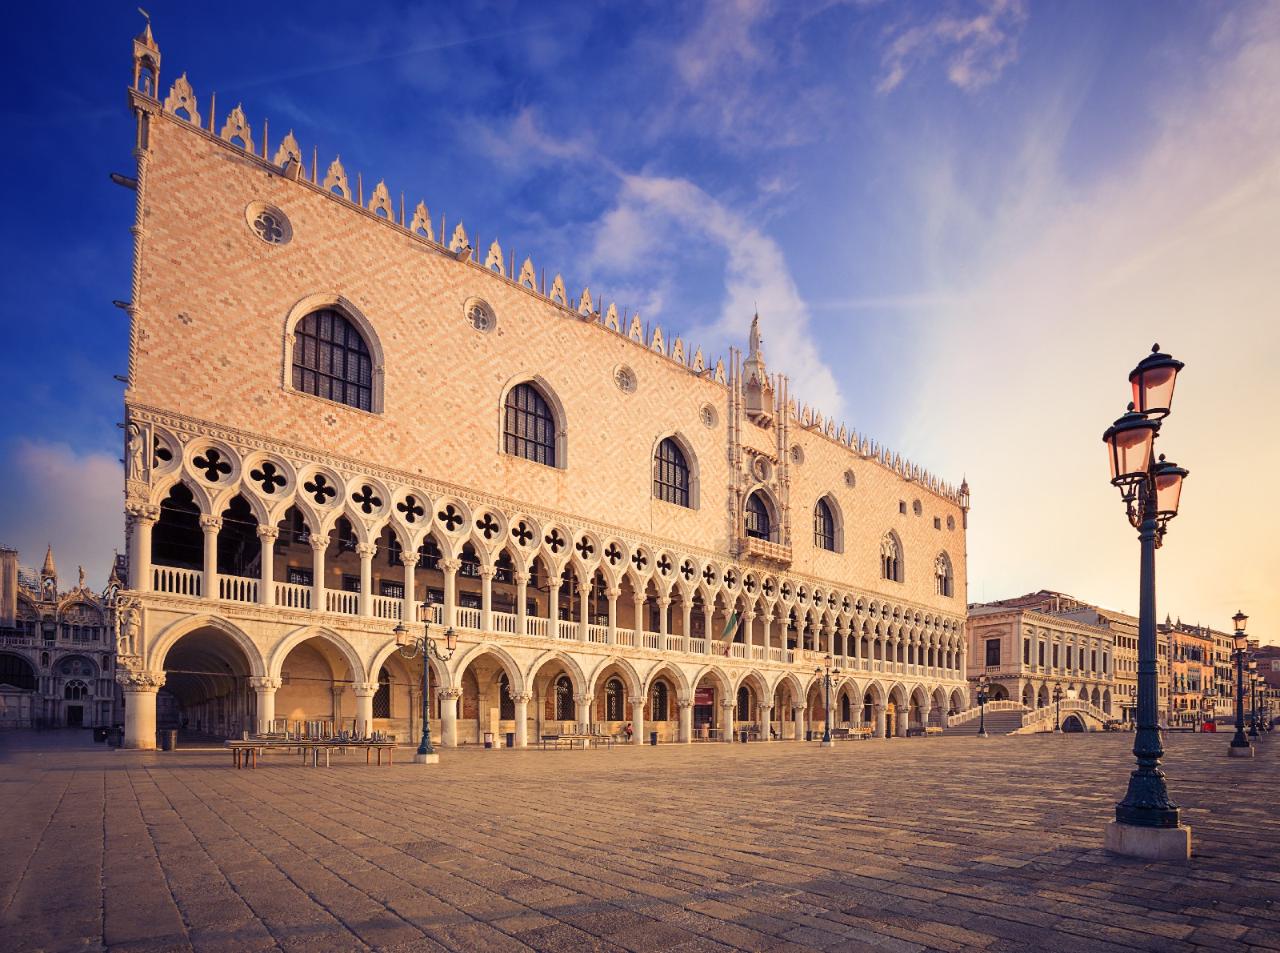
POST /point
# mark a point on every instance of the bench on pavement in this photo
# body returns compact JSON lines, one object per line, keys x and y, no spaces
{"x":245,"y":753}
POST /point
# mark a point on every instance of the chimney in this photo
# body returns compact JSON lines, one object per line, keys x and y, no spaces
{"x":8,"y":587}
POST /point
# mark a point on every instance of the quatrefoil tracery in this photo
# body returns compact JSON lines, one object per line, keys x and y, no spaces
{"x":613,"y":554}
{"x":269,"y":477}
{"x":366,"y":499}
{"x":686,"y":570}
{"x":639,"y":560}
{"x":160,"y":453}
{"x":585,"y":548}
{"x":211,"y":462}
{"x":664,"y":565}
{"x":411,"y":509}
{"x":555,"y":541}
{"x":522,"y":534}
{"x":450,"y":517}
{"x":488,"y":526}
{"x":321,"y":490}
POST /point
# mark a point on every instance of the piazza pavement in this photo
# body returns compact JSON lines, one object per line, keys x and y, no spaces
{"x":951,"y":843}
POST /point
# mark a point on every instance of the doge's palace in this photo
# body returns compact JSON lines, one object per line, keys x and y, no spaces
{"x":345,"y":414}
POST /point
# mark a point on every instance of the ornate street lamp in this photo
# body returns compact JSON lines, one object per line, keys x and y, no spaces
{"x":984,"y":692}
{"x":1240,"y":746}
{"x":1150,"y":489}
{"x":1057,"y":708}
{"x":410,"y":647}
{"x":826,"y":671}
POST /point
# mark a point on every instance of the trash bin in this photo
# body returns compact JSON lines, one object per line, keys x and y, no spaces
{"x":511,"y":739}
{"x":653,"y":738}
{"x":488,"y":739}
{"x":808,"y":735}
{"x":742,"y":736}
{"x":169,"y":739}
{"x":100,"y":734}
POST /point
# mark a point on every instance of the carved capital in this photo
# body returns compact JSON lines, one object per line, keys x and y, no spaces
{"x":410,"y":560}
{"x":487,"y":572}
{"x":141,"y":510}
{"x":684,"y":703}
{"x":520,"y":578}
{"x":264,"y":683}
{"x":211,"y":524}
{"x":449,"y":694}
{"x":139,"y":680}
{"x":635,"y":700}
{"x":268,"y":532}
{"x":582,"y":699}
{"x":522,"y":697}
{"x":366,"y":550}
{"x":451,"y":565}
{"x":365,"y":689}
{"x":319,"y":541}
{"x":613,"y":592}
{"x":664,"y":602}
{"x":726,"y":703}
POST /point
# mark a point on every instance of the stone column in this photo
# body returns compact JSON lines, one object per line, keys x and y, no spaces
{"x":139,"y":689}
{"x":879,"y":712}
{"x":686,"y":620}
{"x":638,"y":604}
{"x":582,"y":709}
{"x":264,"y":686}
{"x":686,"y":720}
{"x":748,"y":630}
{"x":708,"y":611}
{"x":267,"y":536}
{"x":521,"y":700}
{"x":766,"y":723}
{"x":925,"y":710}
{"x":337,"y":692}
{"x":726,"y":718}
{"x":521,"y":580}
{"x":584,"y":615}
{"x":366,"y":551}
{"x":364,"y":692}
{"x":409,"y":608}
{"x":448,"y":716}
{"x":486,"y":598}
{"x":843,"y":632}
{"x":319,"y":543}
{"x":637,"y":719}
{"x":766,"y":625}
{"x":210,"y":525}
{"x":904,"y":715}
{"x":450,"y":568}
{"x":553,"y":609}
{"x":799,"y":721}
{"x":664,"y":615}
{"x":142,"y":519}
{"x":612,"y":594}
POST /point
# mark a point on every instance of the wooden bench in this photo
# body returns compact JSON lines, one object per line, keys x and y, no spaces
{"x":246,"y":753}
{"x":563,"y":741}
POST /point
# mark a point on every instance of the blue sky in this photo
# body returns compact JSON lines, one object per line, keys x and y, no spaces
{"x":962,"y":223}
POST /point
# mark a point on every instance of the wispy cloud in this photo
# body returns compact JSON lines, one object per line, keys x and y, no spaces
{"x":976,"y":46}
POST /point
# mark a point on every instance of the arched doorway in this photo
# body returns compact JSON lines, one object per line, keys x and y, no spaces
{"x":316,"y":688}
{"x":206,"y":687}
{"x":17,"y":691}
{"x":1072,"y":723}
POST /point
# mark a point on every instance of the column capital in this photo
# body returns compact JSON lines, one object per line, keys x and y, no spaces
{"x":319,"y":541}
{"x":366,"y":549}
{"x":524,"y":697}
{"x":451,"y":565}
{"x":664,"y":602}
{"x":520,"y":578}
{"x":364,"y":689}
{"x":268,"y":532}
{"x":264,"y":683}
{"x":410,"y":560}
{"x":613,"y":592}
{"x":636,"y":700}
{"x":142,"y":511}
{"x":683,"y":703}
{"x":210,"y":523}
{"x":582,"y":699}
{"x":487,"y":572}
{"x":766,"y":708}
{"x":139,"y":680}
{"x":449,"y":693}
{"x":726,"y":703}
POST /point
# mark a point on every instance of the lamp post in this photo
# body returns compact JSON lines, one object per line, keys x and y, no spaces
{"x":826,"y":671}
{"x":1057,"y":708}
{"x":1148,"y":823}
{"x":984,"y":692}
{"x":1240,"y":746}
{"x":410,"y":647}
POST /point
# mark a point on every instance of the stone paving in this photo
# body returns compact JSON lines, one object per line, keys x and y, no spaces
{"x":918,"y":844}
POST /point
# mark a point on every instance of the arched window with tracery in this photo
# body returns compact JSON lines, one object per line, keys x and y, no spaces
{"x":613,"y":699}
{"x":564,"y":699}
{"x":824,"y":526}
{"x":942,"y":572}
{"x":528,"y":426}
{"x":75,"y":690}
{"x":671,"y":474}
{"x":661,"y":701}
{"x":382,"y":697}
{"x":758,"y":525}
{"x":331,"y":360}
{"x":891,"y":558}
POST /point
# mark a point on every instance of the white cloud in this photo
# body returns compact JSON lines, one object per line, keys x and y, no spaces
{"x":1068,"y":290}
{"x":51,"y":493}
{"x":977,"y":47}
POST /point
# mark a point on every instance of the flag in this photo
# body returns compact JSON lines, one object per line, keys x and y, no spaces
{"x":730,"y":627}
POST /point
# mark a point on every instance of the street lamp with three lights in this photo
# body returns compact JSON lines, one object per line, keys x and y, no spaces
{"x":412,"y":646}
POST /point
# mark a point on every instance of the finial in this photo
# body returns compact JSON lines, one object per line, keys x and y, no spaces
{"x":1130,"y":407}
{"x":1155,"y":348}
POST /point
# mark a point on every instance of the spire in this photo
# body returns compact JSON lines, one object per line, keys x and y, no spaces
{"x":49,"y":568}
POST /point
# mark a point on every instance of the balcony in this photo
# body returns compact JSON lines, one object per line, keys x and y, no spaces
{"x":763,"y":549}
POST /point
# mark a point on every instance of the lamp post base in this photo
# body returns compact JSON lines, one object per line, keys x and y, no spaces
{"x":432,"y":758}
{"x":1149,"y":843}
{"x":826,"y":744}
{"x":983,"y":734}
{"x":1245,"y":751}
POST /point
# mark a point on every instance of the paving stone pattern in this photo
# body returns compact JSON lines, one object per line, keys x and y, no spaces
{"x":910,"y":844}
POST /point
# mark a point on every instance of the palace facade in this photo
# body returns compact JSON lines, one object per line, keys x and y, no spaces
{"x":340,"y":418}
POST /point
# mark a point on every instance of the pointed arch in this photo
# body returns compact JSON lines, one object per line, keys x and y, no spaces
{"x":168,"y":636}
{"x":891,"y":558}
{"x":281,"y":652}
{"x":828,"y":524}
{"x":760,"y":518}
{"x":532,"y":422}
{"x":675,"y":470}
{"x":307,"y":335}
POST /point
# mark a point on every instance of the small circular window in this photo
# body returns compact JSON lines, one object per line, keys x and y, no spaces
{"x":479,"y":315}
{"x":625,"y":378}
{"x":268,"y":223}
{"x":797,"y":454}
{"x":849,"y":479}
{"x":708,"y":416}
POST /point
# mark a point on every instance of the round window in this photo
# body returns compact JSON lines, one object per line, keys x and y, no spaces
{"x":269,"y":223}
{"x":708,"y":416}
{"x":625,"y":378}
{"x":479,"y":315}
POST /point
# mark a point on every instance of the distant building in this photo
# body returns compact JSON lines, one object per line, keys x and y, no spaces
{"x":57,"y":650}
{"x":1192,"y":673}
